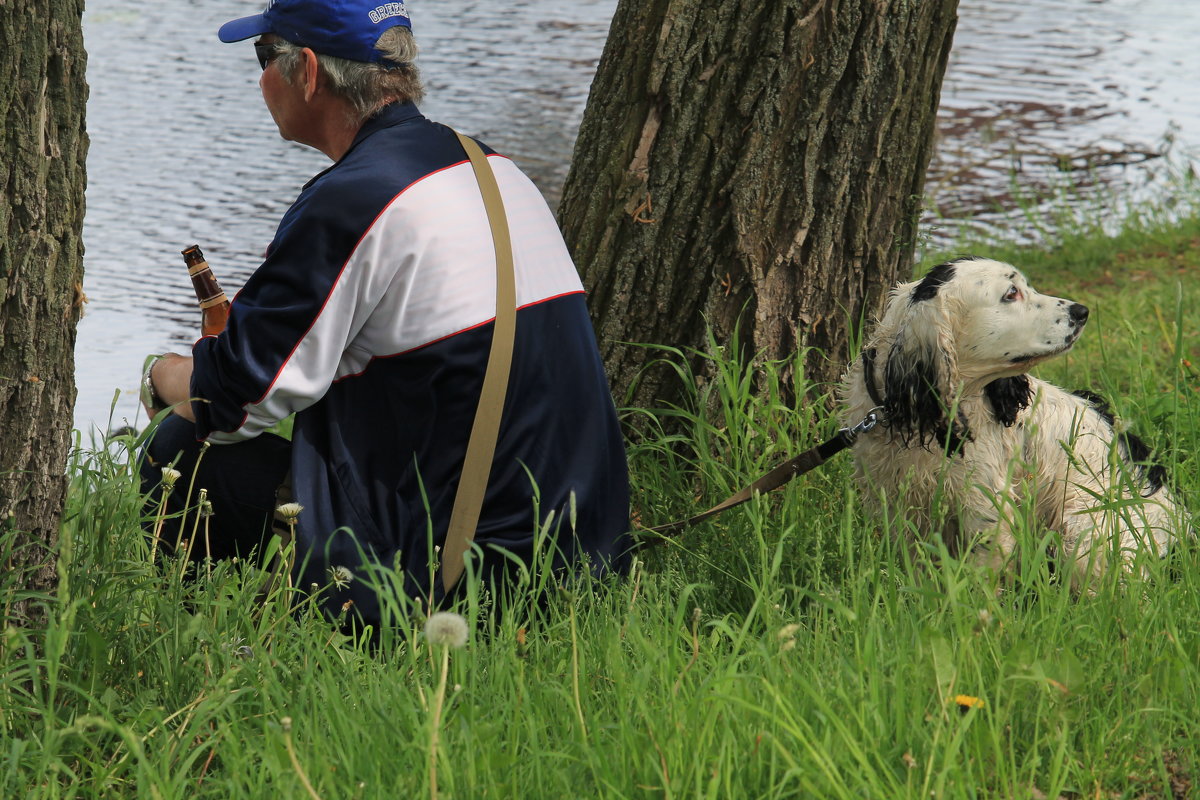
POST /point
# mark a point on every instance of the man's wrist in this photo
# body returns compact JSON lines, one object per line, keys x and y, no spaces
{"x":149,"y":394}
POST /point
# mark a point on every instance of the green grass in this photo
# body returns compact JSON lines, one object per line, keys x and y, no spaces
{"x":785,"y":649}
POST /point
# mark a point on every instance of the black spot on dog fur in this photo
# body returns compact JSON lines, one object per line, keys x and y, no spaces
{"x":1134,"y":449}
{"x":927,"y":289}
{"x":1007,"y":397}
{"x":913,"y":405}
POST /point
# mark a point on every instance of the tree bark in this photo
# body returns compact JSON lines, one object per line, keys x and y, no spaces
{"x":754,"y":165}
{"x":43,"y":148}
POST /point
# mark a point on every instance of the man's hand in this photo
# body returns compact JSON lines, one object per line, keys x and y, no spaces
{"x":171,"y":377}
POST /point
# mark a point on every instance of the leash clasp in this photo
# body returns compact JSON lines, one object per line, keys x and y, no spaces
{"x":865,"y":425}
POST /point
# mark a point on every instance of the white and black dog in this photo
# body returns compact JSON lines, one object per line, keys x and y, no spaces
{"x":962,"y":421}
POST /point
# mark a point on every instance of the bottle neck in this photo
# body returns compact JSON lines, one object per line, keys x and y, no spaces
{"x":208,"y":292}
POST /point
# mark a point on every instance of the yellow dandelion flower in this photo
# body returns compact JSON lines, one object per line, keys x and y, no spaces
{"x":966,"y":702}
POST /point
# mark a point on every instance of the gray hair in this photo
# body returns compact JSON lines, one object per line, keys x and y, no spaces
{"x":365,"y":86}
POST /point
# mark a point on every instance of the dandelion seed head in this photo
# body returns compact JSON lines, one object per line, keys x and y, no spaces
{"x":787,"y":631}
{"x":289,"y":512}
{"x":206,"y":508}
{"x":238,"y":647}
{"x":340,"y":576}
{"x":446,"y":627}
{"x":169,"y":476}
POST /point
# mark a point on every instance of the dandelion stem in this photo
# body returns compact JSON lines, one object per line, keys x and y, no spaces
{"x":695,"y":652}
{"x":159,"y":519}
{"x":187,"y":498}
{"x":436,"y":723}
{"x":635,"y":572}
{"x":575,"y":676}
{"x":287,"y":741}
{"x":191,"y":541}
{"x":445,"y":629}
{"x":207,"y":550}
{"x":285,"y":560}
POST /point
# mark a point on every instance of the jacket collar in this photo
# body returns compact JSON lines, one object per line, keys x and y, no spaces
{"x":387,"y":117}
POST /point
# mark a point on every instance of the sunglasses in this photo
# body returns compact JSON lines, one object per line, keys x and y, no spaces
{"x":266,"y":52}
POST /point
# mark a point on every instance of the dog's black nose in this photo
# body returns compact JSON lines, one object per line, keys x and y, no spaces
{"x":1078,"y":313}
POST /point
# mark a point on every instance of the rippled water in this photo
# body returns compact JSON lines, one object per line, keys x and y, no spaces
{"x":1048,"y":94}
{"x":183,"y":150}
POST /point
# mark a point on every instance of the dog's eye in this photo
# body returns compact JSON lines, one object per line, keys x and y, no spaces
{"x":1012,"y":295}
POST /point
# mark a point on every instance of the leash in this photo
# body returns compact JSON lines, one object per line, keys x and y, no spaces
{"x":793,"y":467}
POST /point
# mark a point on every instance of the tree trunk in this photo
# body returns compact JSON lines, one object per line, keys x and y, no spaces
{"x":42,"y":98}
{"x":752,"y":164}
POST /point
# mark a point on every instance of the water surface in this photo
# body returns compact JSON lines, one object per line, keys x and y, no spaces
{"x":184,"y":152}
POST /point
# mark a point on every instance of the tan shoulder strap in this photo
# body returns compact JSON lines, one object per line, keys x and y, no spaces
{"x":481,"y":448}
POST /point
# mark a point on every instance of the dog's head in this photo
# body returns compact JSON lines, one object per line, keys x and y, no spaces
{"x":969,"y":324}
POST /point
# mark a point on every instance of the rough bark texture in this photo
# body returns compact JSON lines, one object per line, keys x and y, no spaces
{"x":752,"y":161}
{"x":42,"y":150}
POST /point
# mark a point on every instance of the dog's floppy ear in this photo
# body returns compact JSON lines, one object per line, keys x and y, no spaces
{"x":922,"y":369}
{"x":1007,"y":396}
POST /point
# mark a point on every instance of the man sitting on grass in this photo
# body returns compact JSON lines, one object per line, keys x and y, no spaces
{"x":371,"y":319}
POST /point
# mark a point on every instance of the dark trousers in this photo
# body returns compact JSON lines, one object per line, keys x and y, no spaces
{"x":241,"y":479}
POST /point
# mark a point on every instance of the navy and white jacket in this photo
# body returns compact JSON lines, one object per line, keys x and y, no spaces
{"x":371,"y":319}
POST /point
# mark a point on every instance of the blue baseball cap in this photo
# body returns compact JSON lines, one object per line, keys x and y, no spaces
{"x":343,"y":28}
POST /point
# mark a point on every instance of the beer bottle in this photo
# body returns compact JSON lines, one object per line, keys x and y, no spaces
{"x":214,"y":306}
